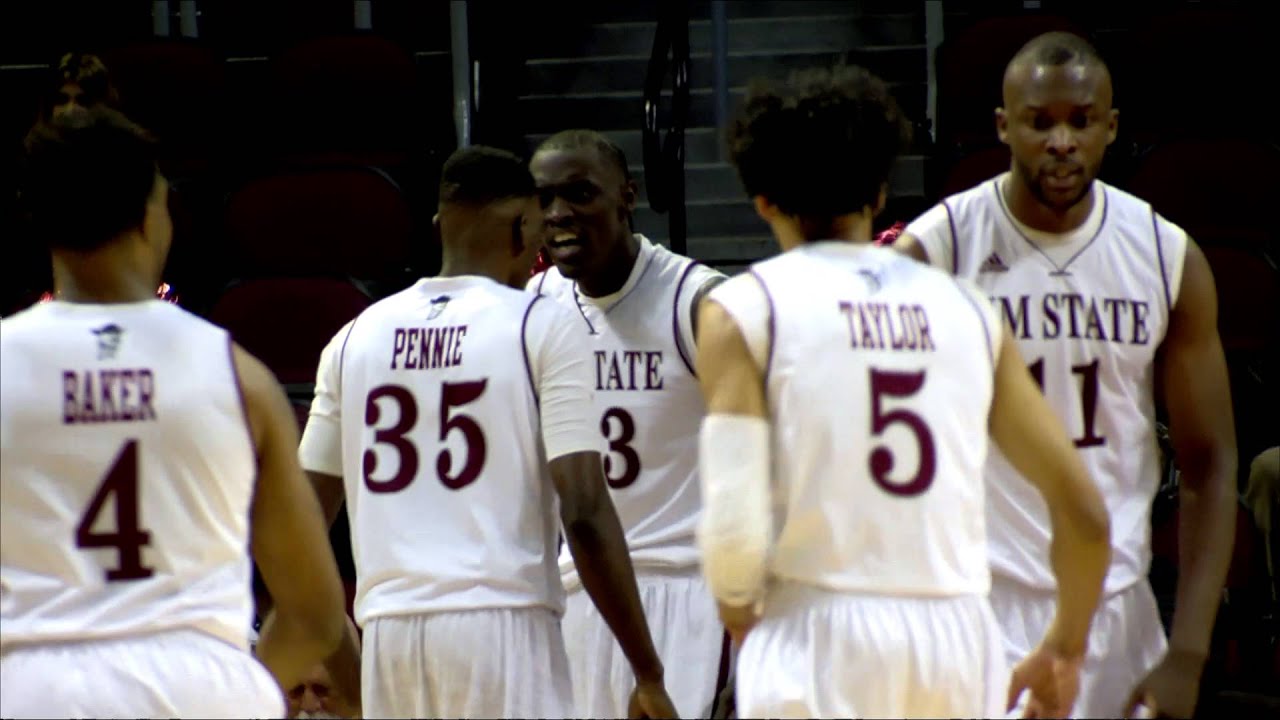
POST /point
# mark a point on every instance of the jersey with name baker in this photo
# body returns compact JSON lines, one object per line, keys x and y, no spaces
{"x":1089,"y":310}
{"x":127,"y":470}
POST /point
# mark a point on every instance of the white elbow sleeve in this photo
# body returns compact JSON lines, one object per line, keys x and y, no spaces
{"x":736,"y":527}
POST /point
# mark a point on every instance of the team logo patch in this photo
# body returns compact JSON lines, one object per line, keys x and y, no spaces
{"x":438,"y":304}
{"x":108,"y":340}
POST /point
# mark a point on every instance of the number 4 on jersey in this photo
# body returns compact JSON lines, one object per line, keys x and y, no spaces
{"x":128,"y":539}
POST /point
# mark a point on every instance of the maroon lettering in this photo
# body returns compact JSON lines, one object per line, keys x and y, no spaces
{"x":1018,"y":320}
{"x":457,"y":346}
{"x":632,"y":357}
{"x":601,"y":357}
{"x":1117,"y":306}
{"x":87,"y":412}
{"x":653,"y":376}
{"x":1140,"y":334}
{"x":1074,"y":303}
{"x":1050,"y":317}
{"x":107,"y":404}
{"x":437,"y":348}
{"x":70,"y":403}
{"x":146,"y":389}
{"x":397,"y":346}
{"x":615,"y":375}
{"x":922,"y":326}
{"x":1093,"y":324}
{"x":410,"y":362}
{"x":868,"y":340}
{"x":126,"y":410}
{"x":847,"y":308}
{"x":878,"y":311}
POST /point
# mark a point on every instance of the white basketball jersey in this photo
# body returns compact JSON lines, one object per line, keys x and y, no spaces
{"x":879,"y":381}
{"x":648,"y":401}
{"x":127,"y":472}
{"x":1089,"y":311}
{"x":449,"y":500}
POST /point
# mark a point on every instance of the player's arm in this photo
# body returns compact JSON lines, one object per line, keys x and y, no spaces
{"x":1193,"y":374}
{"x":592,"y":530}
{"x":320,"y":451}
{"x":735,"y":529}
{"x":288,"y":540}
{"x":709,"y":284}
{"x":1035,"y":442}
{"x":929,"y":238}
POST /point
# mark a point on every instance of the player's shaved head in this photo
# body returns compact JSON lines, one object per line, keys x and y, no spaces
{"x":580,"y":139}
{"x":478,"y":175}
{"x":1055,"y":51}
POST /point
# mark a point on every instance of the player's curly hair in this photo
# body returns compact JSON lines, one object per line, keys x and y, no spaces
{"x":820,"y":145}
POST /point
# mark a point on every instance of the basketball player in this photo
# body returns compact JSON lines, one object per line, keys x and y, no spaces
{"x":1113,"y":307}
{"x":633,"y":301}
{"x":850,"y":393}
{"x":141,"y":452}
{"x":443,"y":407}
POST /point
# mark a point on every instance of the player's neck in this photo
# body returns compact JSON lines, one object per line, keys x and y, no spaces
{"x":105,"y":276}
{"x":852,"y":228}
{"x":615,"y":272}
{"x":452,"y":266}
{"x":1028,"y":210}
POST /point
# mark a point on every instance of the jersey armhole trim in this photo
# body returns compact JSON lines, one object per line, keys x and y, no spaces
{"x":524,"y":351}
{"x":982,"y":320}
{"x":543,"y":280}
{"x":955,"y":250}
{"x":675,"y":317}
{"x":244,"y":405}
{"x":1164,"y":274}
{"x":773,"y":330}
{"x":342,"y":356}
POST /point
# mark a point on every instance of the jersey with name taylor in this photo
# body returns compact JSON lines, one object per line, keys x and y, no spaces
{"x":128,"y":471}
{"x":1089,"y":313}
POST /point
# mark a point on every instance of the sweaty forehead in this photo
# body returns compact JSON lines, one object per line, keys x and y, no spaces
{"x":1074,"y":84}
{"x":561,"y":166}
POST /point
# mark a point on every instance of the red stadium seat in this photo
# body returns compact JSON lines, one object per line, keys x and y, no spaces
{"x":352,"y":97}
{"x":974,"y":168}
{"x":1248,"y":299}
{"x":178,"y":90}
{"x":286,"y":322}
{"x":340,"y":221}
{"x":1215,"y":186}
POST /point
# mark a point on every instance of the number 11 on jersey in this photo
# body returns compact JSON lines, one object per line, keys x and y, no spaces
{"x":1088,"y":398}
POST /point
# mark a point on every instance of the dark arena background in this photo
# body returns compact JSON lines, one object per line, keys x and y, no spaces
{"x":304,"y":138}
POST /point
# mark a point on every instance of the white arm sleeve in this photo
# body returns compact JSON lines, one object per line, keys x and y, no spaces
{"x":746,"y":302}
{"x":935,"y":232}
{"x":321,"y":447}
{"x":736,"y":526}
{"x":699,"y":276}
{"x":560,"y":364}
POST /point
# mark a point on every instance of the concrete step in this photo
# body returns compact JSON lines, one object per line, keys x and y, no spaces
{"x":701,"y":145}
{"x":718,"y":182}
{"x":582,"y":76}
{"x":831,"y":32}
{"x":544,"y":114}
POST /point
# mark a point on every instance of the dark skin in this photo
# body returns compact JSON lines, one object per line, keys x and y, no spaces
{"x":587,"y":203}
{"x":500,"y":241}
{"x":1058,"y":121}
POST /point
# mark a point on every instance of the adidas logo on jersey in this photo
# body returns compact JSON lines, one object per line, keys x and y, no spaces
{"x":993,"y":263}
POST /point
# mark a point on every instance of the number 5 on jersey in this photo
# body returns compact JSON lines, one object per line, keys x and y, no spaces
{"x":452,"y":396}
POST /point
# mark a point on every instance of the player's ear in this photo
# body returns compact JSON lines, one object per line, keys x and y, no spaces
{"x":882,"y":199}
{"x":765,"y":209}
{"x":1002,"y":125}
{"x":630,"y":194}
{"x":1113,"y":125}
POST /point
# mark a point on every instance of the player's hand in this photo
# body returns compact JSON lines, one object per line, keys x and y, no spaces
{"x":650,"y":700}
{"x":1052,"y":679}
{"x":738,"y":621}
{"x":1170,"y":689}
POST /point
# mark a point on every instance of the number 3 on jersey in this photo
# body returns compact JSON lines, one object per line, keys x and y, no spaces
{"x":621,"y":446}
{"x":452,"y":395}
{"x":128,"y":539}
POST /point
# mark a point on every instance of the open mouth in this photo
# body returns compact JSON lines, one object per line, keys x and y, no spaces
{"x":560,"y":241}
